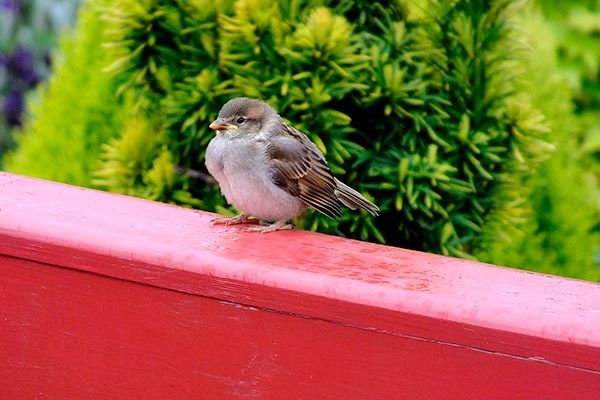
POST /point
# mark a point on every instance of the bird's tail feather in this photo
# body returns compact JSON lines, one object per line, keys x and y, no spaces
{"x":353,"y":200}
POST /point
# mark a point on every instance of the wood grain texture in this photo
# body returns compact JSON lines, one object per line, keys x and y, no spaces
{"x":106,"y":296}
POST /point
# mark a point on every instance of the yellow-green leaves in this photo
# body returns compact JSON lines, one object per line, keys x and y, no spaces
{"x":160,"y":178}
{"x":325,"y":34}
{"x":261,"y":14}
{"x":125,"y":159}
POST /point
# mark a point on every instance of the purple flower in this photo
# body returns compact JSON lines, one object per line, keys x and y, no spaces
{"x":20,"y":64}
{"x":13,"y":108}
{"x":10,"y":5}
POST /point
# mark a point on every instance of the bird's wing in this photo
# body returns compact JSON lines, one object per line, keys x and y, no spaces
{"x":298,"y":167}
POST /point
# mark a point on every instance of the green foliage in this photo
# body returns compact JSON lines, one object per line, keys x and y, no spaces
{"x":459,"y":143}
{"x":559,"y":234}
{"x":575,"y":27}
{"x":418,"y":106}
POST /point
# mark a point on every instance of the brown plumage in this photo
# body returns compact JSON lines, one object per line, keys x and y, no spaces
{"x":269,"y":170}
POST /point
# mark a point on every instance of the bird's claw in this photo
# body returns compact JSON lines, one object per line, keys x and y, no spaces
{"x":277,"y":226}
{"x":238,"y":219}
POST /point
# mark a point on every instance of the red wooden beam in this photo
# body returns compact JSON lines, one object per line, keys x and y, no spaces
{"x":106,"y":296}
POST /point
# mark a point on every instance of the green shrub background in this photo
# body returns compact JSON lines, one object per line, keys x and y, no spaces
{"x":454,"y":116}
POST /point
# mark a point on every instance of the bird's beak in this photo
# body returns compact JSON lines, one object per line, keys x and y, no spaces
{"x":219,"y":125}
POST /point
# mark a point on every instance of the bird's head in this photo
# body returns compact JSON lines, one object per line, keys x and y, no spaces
{"x":243,"y":117}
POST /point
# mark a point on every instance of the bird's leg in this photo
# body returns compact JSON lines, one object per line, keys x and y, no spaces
{"x":238,"y":219}
{"x":276,"y":226}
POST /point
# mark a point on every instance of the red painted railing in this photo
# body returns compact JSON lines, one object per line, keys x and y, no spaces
{"x":111,"y":297}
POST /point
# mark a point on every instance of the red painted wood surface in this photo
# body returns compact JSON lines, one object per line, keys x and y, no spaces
{"x":105,"y":296}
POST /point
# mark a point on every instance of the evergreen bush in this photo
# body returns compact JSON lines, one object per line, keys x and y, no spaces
{"x":418,"y":106}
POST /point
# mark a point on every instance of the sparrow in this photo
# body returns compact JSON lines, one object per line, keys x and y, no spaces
{"x":271,"y":171}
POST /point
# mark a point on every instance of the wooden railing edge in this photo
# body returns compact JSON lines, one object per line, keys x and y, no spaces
{"x":538,"y":318}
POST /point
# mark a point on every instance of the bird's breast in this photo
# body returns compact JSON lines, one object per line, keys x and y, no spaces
{"x":242,"y":169}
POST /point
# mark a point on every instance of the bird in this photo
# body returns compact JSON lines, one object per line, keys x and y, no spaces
{"x":271,"y":171}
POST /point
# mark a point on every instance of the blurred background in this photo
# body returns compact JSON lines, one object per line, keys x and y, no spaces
{"x":29,"y":31}
{"x":474,"y":125}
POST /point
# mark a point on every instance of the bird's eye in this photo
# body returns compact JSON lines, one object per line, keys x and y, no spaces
{"x":241,"y":120}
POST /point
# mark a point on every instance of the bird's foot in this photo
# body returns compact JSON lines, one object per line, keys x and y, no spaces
{"x":238,"y":219}
{"x":276,"y":226}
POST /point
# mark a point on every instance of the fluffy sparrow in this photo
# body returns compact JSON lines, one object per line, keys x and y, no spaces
{"x":271,"y":171}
